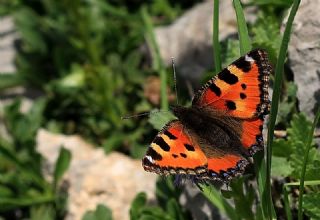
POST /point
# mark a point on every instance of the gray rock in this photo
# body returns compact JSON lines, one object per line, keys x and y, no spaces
{"x":8,"y":36}
{"x":94,"y":178}
{"x":189,"y":38}
{"x":304,"y":56}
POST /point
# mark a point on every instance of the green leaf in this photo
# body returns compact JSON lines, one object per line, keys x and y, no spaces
{"x":159,"y":119}
{"x":308,"y":143}
{"x":244,"y":39}
{"x":217,"y":200}
{"x":10,"y":80}
{"x":282,"y":148}
{"x":62,"y":164}
{"x":174,"y":210}
{"x":266,"y":32}
{"x":280,"y":167}
{"x":311,"y":206}
{"x":42,"y":212}
{"x":215,"y":37}
{"x":101,"y":213}
{"x":137,"y":205}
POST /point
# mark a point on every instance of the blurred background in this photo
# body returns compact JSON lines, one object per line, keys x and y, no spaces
{"x":69,"y":70}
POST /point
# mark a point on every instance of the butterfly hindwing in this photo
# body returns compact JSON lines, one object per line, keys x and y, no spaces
{"x":226,"y":166}
{"x":241,"y":89}
{"x":173,"y":151}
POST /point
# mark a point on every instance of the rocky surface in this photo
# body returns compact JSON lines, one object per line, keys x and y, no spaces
{"x":304,"y":55}
{"x":95,"y":178}
{"x":7,"y":39}
{"x":189,"y":38}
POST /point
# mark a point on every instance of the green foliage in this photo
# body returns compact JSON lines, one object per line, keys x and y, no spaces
{"x":167,"y":198}
{"x":62,"y":165}
{"x":101,"y":212}
{"x":288,"y":104}
{"x":159,"y":119}
{"x":22,"y":184}
{"x":310,"y":204}
{"x":290,"y":151}
{"x":266,"y":32}
{"x":84,"y":56}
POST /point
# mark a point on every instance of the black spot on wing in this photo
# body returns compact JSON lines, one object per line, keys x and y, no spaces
{"x":215,"y":89}
{"x":242,"y":95}
{"x":174,"y":155}
{"x":171,"y":136}
{"x":231,"y":105}
{"x":189,"y":147}
{"x":228,"y":77}
{"x":161,"y":143}
{"x":254,"y":54}
{"x":183,"y":155}
{"x":243,"y":65}
{"x":154,"y":154}
{"x":244,"y":86}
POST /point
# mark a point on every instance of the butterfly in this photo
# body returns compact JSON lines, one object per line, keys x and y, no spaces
{"x":214,"y":138}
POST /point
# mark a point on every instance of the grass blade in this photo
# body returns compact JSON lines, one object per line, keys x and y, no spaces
{"x":286,"y":202}
{"x":158,"y":64}
{"x":10,"y":80}
{"x":244,"y":39}
{"x":305,"y":161}
{"x":215,"y":40}
{"x":62,"y":165}
{"x":214,"y":196}
{"x":275,"y":99}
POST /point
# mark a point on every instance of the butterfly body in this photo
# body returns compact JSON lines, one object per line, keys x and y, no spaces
{"x":212,"y":139}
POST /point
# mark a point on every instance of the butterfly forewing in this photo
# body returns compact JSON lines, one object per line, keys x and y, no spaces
{"x":241,"y":89}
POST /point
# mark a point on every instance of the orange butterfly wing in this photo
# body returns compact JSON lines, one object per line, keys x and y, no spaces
{"x":173,"y":152}
{"x":241,"y":89}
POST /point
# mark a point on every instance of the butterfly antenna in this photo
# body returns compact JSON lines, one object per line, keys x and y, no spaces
{"x":175,"y":78}
{"x":141,"y":114}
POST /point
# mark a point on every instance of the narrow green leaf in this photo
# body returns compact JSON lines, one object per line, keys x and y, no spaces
{"x":217,"y":200}
{"x":215,"y":40}
{"x":286,"y":202}
{"x":245,"y":42}
{"x":10,"y":80}
{"x":62,"y":164}
{"x":42,"y":212}
{"x":158,"y":64}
